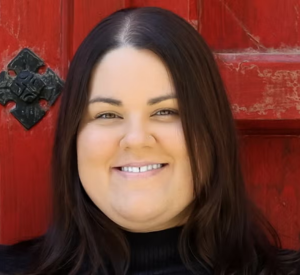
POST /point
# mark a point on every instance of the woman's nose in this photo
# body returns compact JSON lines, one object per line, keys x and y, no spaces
{"x":136,"y":136}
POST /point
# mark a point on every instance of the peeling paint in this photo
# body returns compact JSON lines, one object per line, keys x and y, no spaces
{"x":236,"y":108}
{"x":13,"y":27}
{"x":239,"y":67}
{"x":11,"y":30}
{"x":194,"y":23}
{"x":253,"y":38}
{"x":18,"y":26}
{"x":281,"y":90}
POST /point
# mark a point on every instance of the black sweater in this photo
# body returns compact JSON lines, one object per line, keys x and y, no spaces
{"x":152,"y":253}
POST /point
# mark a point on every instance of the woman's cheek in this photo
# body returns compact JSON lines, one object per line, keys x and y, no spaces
{"x":172,"y":137}
{"x":96,"y":143}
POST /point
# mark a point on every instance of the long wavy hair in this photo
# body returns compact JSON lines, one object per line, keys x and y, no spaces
{"x":225,"y":230}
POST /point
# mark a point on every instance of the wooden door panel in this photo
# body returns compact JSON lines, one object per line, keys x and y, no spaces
{"x":256,"y":44}
{"x":89,"y":13}
{"x":271,"y":164}
{"x":180,"y":7}
{"x":262,"y":86}
{"x":25,"y":154}
{"x":231,"y":25}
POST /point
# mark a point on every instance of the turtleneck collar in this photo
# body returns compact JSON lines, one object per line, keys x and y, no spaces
{"x":155,"y":252}
{"x":155,"y":239}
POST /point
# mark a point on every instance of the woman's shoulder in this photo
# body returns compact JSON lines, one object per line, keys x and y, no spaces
{"x":16,"y":258}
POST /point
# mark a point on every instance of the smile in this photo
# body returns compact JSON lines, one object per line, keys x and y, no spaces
{"x":142,"y":169}
{"x":136,"y":172}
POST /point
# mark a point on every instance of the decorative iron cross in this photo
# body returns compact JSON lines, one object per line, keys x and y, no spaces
{"x":28,"y":87}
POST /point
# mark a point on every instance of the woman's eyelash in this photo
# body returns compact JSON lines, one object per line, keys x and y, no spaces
{"x":164,"y":112}
{"x":107,"y":116}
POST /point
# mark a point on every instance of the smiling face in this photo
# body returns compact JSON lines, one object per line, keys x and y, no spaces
{"x":132,"y":158}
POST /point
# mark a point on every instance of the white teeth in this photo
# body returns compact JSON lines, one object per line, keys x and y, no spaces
{"x":135,"y":169}
{"x":141,"y":169}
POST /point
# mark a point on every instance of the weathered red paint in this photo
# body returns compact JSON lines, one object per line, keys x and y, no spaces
{"x":257,"y":46}
{"x":271,"y":163}
{"x":181,"y":7}
{"x":253,"y":25}
{"x":262,"y":86}
{"x":87,"y":14}
{"x":25,"y":155}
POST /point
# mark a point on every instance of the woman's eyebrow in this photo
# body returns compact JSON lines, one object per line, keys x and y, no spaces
{"x":117,"y":102}
{"x":159,"y":99}
{"x":107,"y":100}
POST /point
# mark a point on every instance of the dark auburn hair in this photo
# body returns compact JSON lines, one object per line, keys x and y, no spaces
{"x":225,"y":230}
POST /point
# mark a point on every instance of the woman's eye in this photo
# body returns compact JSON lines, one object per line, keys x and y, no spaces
{"x":166,"y":113}
{"x":107,"y":116}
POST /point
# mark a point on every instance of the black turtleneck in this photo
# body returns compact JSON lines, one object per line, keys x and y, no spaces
{"x":153,"y":253}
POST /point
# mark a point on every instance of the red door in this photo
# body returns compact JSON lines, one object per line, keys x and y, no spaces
{"x":257,"y":47}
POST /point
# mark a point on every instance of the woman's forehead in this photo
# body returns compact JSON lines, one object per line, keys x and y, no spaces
{"x":129,"y":71}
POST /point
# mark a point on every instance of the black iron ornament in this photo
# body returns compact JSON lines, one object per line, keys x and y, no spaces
{"x":28,"y":87}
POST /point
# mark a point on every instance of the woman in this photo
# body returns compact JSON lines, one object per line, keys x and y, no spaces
{"x":146,"y":174}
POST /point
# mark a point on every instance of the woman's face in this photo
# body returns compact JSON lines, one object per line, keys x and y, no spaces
{"x":132,"y":157}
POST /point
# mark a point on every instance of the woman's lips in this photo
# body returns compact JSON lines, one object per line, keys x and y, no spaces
{"x":134,"y":175}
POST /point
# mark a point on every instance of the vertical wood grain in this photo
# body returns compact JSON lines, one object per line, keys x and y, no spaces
{"x":88,"y":13}
{"x":67,"y":32}
{"x":231,"y":25}
{"x":180,"y":7}
{"x":25,"y":155}
{"x":271,"y":166}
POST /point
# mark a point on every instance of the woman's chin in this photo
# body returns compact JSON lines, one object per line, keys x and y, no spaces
{"x":138,"y":220}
